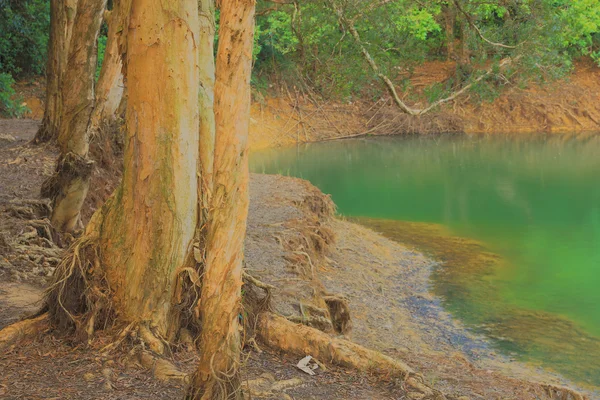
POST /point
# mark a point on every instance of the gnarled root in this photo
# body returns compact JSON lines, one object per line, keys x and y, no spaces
{"x":339,"y":312}
{"x":68,"y":188}
{"x":23,"y":329}
{"x":162,"y":369}
{"x":79,"y":296}
{"x":277,"y":332}
{"x":562,"y":393}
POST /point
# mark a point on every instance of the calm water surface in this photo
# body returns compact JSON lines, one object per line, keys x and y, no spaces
{"x":532,"y":204}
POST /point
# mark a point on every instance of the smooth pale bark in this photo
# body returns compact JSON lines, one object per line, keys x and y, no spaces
{"x":147,"y":227}
{"x":78,"y":88}
{"x":217,"y":375}
{"x":206,"y":94}
{"x":62,"y":15}
{"x":70,"y":184}
{"x":110,"y":86}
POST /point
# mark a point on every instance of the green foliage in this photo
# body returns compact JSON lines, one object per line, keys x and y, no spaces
{"x":419,"y":22}
{"x":10,"y":105}
{"x":275,"y":32}
{"x":24,"y":29}
{"x":542,"y":36}
{"x":101,"y":50}
{"x":581,"y":25}
{"x":304,"y":45}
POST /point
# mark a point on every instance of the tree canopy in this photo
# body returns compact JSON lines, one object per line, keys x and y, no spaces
{"x":303,"y":43}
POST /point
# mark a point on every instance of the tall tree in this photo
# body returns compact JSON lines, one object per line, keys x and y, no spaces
{"x":127,"y":267}
{"x":217,"y":375}
{"x":449,"y":15}
{"x":62,"y":16}
{"x":143,"y":234}
{"x":110,"y":86}
{"x":69,"y":185}
{"x":206,"y":148}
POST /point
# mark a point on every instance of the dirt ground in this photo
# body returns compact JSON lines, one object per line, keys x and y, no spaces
{"x":386,"y":286}
{"x":566,"y":106}
{"x":294,"y":243}
{"x":50,"y":367}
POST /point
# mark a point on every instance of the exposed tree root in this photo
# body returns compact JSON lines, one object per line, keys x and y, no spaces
{"x":153,"y":342}
{"x":562,"y":393}
{"x":79,"y":296}
{"x":254,"y":305}
{"x":339,"y":312}
{"x":266,"y":386}
{"x":29,"y":208}
{"x":23,"y":329}
{"x":312,"y":316}
{"x":161,"y":368}
{"x":68,"y":188}
{"x":279,"y":333}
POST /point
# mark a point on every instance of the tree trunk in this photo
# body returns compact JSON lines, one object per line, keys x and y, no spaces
{"x":464,"y":57}
{"x":62,"y":15}
{"x":125,"y":268}
{"x":206,"y":103}
{"x":110,"y":86}
{"x":150,"y":221}
{"x":217,"y":375}
{"x":449,"y":20}
{"x":68,"y":187}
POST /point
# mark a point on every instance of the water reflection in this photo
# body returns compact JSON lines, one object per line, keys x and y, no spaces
{"x":533,"y":201}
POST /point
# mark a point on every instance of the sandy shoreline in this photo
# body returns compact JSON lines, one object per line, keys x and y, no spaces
{"x":388,"y":289}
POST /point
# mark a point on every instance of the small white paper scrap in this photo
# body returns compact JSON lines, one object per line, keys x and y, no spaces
{"x":304,"y":366}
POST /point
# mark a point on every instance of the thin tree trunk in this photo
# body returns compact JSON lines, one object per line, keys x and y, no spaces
{"x":217,"y":375}
{"x":206,"y":53}
{"x":68,"y":188}
{"x":465,"y":58}
{"x":110,"y":86}
{"x":449,"y":20}
{"x":62,"y":15}
{"x":149,"y":223}
{"x":78,"y":95}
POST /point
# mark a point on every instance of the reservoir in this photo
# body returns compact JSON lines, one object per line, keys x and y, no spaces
{"x":514,"y":222}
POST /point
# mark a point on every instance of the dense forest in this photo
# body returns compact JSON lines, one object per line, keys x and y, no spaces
{"x":348,"y":50}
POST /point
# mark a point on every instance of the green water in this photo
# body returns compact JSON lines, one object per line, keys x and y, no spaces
{"x":534,"y":202}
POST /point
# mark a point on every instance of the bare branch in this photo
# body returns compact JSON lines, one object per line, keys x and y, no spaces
{"x":505,"y":62}
{"x":387,"y":81}
{"x":470,"y":21}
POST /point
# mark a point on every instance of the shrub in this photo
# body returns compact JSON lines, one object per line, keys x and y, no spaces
{"x":10,"y":104}
{"x":24,"y":30}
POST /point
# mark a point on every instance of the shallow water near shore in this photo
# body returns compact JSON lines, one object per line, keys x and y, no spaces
{"x":528,"y":276}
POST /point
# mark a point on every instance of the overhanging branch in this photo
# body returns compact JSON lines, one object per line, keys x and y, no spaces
{"x":470,"y":21}
{"x":388,"y":82}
